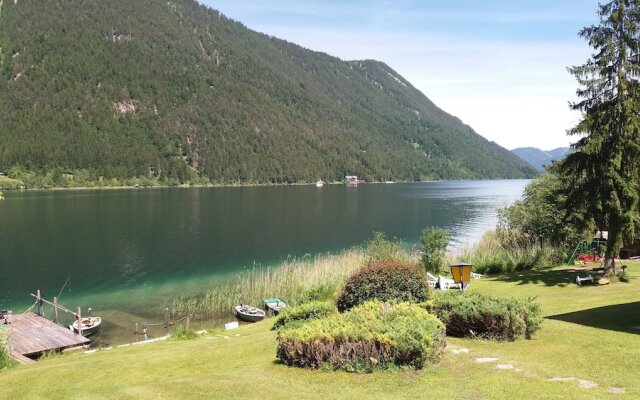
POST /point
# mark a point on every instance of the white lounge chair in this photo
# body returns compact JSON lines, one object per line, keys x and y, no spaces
{"x":587,"y":278}
{"x":446,"y":283}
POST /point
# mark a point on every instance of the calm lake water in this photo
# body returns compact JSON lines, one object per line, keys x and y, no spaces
{"x":126,"y":252}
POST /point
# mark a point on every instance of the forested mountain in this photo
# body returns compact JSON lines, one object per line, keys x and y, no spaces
{"x":540,"y":158}
{"x":177,"y":92}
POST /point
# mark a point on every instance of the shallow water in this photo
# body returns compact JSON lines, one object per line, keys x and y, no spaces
{"x":128,"y":252}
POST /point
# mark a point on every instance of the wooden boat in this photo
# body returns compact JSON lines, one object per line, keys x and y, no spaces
{"x":90,"y":325}
{"x":274,"y":304}
{"x":249,"y":313}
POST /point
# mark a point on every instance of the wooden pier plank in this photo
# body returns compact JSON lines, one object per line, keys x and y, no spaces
{"x":21,"y":359}
{"x":32,"y":334}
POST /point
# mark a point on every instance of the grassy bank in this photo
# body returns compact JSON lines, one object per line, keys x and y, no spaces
{"x":587,"y":335}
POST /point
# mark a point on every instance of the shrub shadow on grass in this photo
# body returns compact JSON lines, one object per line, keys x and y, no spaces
{"x":545,"y":277}
{"x":618,"y":317}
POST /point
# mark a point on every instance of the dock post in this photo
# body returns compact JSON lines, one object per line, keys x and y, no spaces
{"x":55,"y":310}
{"x":136,"y":331}
{"x":39,"y":301}
{"x":166,"y":318}
{"x":79,"y":321}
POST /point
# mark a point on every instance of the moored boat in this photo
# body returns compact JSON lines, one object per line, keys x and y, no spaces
{"x":89,"y":325}
{"x":249,"y":313}
{"x":319,"y":183}
{"x":274,"y":304}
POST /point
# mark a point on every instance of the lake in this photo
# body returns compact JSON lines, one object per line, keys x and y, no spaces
{"x":126,"y":252}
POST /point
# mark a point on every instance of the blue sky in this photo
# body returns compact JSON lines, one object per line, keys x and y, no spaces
{"x":500,"y":66}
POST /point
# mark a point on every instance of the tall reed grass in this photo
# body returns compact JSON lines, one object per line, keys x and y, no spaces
{"x":5,"y":356}
{"x":295,"y":280}
{"x":491,"y":256}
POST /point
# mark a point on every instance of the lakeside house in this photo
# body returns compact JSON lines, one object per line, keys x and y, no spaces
{"x":352,"y":180}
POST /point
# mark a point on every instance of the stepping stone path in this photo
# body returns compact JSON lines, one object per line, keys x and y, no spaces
{"x":586,"y":384}
{"x":484,"y":360}
{"x":582,"y":383}
{"x":561,"y":379}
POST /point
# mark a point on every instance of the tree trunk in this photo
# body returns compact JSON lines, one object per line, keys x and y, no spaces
{"x":614,"y":242}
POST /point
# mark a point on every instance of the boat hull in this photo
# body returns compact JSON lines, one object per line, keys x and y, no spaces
{"x":274,"y":305}
{"x":90,"y":326}
{"x":249,"y":314}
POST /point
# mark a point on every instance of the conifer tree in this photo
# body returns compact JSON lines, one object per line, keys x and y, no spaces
{"x":602,"y":175}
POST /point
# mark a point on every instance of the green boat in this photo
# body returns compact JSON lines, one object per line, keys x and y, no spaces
{"x":274,"y":305}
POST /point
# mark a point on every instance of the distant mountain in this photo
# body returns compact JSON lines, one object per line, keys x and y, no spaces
{"x":540,"y":158}
{"x":175,"y":91}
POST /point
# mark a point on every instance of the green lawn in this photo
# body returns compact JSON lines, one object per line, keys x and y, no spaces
{"x":588,"y":334}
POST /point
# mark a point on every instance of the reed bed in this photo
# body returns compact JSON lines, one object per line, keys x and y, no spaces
{"x":295,"y":280}
{"x":491,"y":256}
{"x":5,"y":356}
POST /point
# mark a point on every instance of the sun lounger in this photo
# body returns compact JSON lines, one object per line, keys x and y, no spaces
{"x":446,"y":283}
{"x":587,"y":278}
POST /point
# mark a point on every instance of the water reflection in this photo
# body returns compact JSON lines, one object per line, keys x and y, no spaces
{"x":125,"y":249}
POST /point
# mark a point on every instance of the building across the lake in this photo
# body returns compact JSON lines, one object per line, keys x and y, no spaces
{"x":351,"y":180}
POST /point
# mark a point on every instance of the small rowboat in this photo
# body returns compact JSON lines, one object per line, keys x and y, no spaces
{"x":249,"y":313}
{"x":90,"y":325}
{"x":274,"y":304}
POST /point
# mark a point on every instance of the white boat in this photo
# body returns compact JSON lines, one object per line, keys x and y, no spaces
{"x":90,"y":325}
{"x":319,"y":183}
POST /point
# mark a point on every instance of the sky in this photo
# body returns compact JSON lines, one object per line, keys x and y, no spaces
{"x":498,"y":65}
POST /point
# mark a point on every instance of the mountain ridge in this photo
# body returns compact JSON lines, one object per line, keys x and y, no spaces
{"x":540,"y":158}
{"x":176,"y":91}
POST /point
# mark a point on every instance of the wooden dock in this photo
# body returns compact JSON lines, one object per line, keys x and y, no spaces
{"x":31,"y":335}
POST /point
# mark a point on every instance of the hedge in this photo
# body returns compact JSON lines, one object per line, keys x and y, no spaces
{"x":304,"y":312}
{"x":374,"y":335}
{"x":473,"y":314}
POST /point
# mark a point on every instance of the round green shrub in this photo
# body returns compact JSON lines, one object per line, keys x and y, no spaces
{"x":304,"y":312}
{"x":384,"y":281}
{"x":374,"y":335}
{"x":476,"y":315}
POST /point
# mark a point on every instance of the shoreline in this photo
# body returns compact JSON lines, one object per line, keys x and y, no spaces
{"x":229,"y":185}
